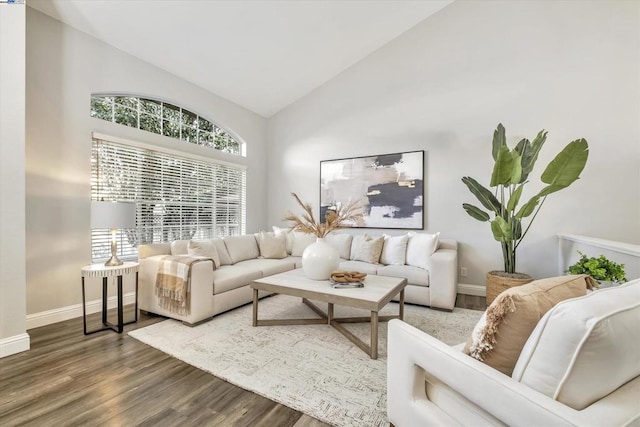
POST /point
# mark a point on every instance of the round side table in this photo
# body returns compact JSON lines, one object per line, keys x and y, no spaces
{"x":101,"y":270}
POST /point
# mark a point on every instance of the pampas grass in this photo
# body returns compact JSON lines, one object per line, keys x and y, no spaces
{"x":334,"y":219}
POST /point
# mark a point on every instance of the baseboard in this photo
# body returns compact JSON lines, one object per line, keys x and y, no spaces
{"x":467,"y":289}
{"x":14,"y":344}
{"x":48,"y":317}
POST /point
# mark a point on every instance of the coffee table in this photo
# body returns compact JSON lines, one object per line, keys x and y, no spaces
{"x":376,"y":293}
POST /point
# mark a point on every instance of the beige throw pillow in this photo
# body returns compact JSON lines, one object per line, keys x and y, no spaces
{"x":370,"y":249}
{"x":205,"y":248}
{"x":504,"y":328}
{"x":273,"y":245}
{"x":300,"y":242}
{"x":288,"y":235}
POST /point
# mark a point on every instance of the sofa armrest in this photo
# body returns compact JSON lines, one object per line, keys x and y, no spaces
{"x":201,"y":290}
{"x":151,"y":249}
{"x":443,"y":278}
{"x":414,"y":356}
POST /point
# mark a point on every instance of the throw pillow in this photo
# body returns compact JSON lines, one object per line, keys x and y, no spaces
{"x":504,"y":328}
{"x":223,"y":253}
{"x":584,"y":348}
{"x":288,"y":235}
{"x":204,"y":248}
{"x":370,"y":249}
{"x":355,"y":246}
{"x":394,"y":250}
{"x":272,"y":245}
{"x":242,"y":248}
{"x":341,"y":242}
{"x":420,"y":247}
{"x":300,"y":242}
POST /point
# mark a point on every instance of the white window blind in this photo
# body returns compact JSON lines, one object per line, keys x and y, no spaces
{"x":176,"y":197}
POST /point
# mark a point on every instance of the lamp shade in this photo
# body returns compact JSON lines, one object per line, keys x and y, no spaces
{"x":113,"y":214}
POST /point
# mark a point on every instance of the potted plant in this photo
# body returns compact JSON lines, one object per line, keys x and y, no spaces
{"x":601,"y":269}
{"x":510,"y":220}
{"x":320,"y":258}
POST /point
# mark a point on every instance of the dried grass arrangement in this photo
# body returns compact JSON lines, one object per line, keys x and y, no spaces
{"x":334,"y":219}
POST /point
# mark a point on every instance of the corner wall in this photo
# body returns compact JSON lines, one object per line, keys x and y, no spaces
{"x":13,"y":336}
{"x":443,"y":86}
{"x":64,"y":66}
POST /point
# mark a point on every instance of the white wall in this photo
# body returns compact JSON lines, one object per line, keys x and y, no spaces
{"x":569,"y":67}
{"x":13,"y":337}
{"x":64,"y":66}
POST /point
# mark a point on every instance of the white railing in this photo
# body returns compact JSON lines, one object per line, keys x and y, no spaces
{"x":624,"y":253}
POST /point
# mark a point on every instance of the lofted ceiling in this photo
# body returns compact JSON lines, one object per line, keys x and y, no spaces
{"x":261,"y":54}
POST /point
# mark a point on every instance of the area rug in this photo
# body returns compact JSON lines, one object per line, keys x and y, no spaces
{"x":312,"y":368}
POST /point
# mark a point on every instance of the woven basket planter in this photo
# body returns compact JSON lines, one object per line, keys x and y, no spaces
{"x":498,"y":281}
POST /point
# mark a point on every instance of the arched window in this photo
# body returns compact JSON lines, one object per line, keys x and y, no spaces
{"x":165,"y":119}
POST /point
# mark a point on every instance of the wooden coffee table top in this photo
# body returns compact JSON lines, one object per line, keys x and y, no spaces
{"x":376,"y":293}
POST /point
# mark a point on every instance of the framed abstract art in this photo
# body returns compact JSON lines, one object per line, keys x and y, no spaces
{"x":388,"y":187}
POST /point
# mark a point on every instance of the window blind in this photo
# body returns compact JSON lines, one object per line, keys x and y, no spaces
{"x":176,"y":197}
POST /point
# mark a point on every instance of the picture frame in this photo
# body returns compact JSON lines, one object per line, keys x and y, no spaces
{"x":388,"y":187}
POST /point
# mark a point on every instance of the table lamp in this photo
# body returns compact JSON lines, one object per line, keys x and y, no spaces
{"x":113,"y":215}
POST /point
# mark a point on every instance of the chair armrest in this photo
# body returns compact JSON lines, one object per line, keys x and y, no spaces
{"x":443,"y":278}
{"x":414,"y":356}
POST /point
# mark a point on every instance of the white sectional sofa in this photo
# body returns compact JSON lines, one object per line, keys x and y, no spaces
{"x":217,"y":288}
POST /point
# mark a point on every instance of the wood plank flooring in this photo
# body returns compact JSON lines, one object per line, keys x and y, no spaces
{"x":69,"y":379}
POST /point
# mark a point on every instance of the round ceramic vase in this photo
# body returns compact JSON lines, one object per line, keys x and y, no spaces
{"x":319,"y":259}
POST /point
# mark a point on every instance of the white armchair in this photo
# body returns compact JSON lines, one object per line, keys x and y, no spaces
{"x":430,"y":383}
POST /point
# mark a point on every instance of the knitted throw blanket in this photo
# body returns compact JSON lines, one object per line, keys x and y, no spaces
{"x":173,"y":284}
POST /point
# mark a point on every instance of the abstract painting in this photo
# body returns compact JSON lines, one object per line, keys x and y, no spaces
{"x":388,"y":187}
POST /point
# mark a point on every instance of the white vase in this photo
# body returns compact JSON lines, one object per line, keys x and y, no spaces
{"x":319,"y":259}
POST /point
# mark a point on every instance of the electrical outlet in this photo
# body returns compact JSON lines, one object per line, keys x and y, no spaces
{"x":463,"y":271}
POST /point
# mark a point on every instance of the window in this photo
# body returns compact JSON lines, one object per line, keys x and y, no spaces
{"x":177,"y":197}
{"x":164,"y":119}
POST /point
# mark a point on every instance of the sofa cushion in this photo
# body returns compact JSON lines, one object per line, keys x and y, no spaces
{"x":341,"y":242}
{"x":231,"y":277}
{"x":223,"y":253}
{"x":242,"y":248}
{"x":269,"y":267}
{"x":204,"y":248}
{"x":596,"y":336}
{"x":287,"y":234}
{"x":300,"y":242}
{"x":503,"y":329}
{"x":420,"y":247}
{"x":361,"y":266}
{"x":394,"y":250}
{"x":179,"y":247}
{"x":370,"y":249}
{"x":272,"y":245}
{"x":414,"y":275}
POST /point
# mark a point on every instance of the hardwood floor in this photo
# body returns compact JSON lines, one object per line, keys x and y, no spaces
{"x":70,"y":379}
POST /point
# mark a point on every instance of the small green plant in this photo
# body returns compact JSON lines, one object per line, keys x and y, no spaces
{"x":599,"y":268}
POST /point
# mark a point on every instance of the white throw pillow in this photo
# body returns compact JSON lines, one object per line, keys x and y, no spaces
{"x":341,"y":242}
{"x":584,"y":348}
{"x":420,"y":247}
{"x":300,"y":242}
{"x":355,"y":246}
{"x":204,"y":248}
{"x":272,"y":245}
{"x":288,"y":236}
{"x":370,"y":249}
{"x":394,"y":250}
